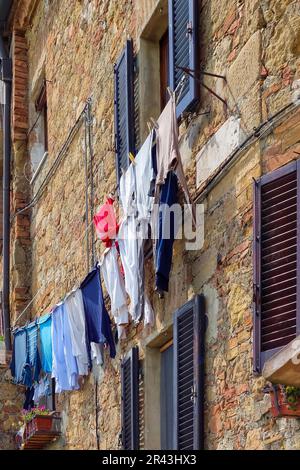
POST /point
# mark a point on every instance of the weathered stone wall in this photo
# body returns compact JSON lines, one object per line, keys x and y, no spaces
{"x":256,"y":45}
{"x":11,"y":401}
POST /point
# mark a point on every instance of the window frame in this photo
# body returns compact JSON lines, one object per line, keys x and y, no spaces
{"x":42,"y":108}
{"x":164,"y":63}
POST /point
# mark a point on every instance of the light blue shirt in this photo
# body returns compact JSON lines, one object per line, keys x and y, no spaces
{"x":64,"y":367}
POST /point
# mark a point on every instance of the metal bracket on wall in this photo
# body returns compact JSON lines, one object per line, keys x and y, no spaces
{"x":193,"y":73}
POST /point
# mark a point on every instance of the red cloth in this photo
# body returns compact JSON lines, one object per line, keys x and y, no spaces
{"x":106,"y":223}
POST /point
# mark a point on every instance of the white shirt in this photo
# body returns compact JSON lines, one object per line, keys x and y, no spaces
{"x":115,"y":287}
{"x":130,"y":247}
{"x":127,"y":190}
{"x":144,"y":176}
{"x":75,"y":311}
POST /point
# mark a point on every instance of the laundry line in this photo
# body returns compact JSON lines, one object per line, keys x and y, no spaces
{"x":53,"y":168}
{"x":51,"y":278}
{"x":61,"y":154}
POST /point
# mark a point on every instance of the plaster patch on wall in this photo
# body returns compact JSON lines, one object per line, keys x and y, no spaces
{"x":218,"y":148}
{"x":212,"y":309}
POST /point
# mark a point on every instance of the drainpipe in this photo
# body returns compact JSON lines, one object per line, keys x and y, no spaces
{"x":6,"y":78}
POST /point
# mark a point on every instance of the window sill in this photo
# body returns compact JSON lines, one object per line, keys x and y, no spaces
{"x":39,"y":168}
{"x":284,"y":367}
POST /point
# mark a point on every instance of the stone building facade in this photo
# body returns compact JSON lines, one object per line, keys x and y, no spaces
{"x":71,"y":47}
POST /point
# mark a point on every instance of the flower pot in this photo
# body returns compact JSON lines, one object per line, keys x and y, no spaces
{"x":280,"y":406}
{"x":43,"y":423}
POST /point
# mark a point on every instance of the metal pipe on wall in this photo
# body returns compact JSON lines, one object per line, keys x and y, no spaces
{"x":6,"y":77}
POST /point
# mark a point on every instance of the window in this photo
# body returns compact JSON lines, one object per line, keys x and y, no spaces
{"x":130,"y":400}
{"x":174,"y":382}
{"x":168,"y":41}
{"x":41,"y":108}
{"x":276,"y":262}
{"x":38,"y":142}
{"x":164,"y":68}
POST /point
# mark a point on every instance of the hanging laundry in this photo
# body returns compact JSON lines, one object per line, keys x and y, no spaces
{"x":42,"y":388}
{"x":145,"y":171}
{"x":137,"y":201}
{"x":97,"y":319}
{"x":127,"y":241}
{"x":106,"y":223}
{"x":29,"y":402}
{"x":130,"y":246}
{"x":64,"y":368}
{"x":45,"y":342}
{"x":97,"y":353}
{"x":145,"y":179}
{"x":168,"y":155}
{"x":148,"y":312}
{"x":75,"y":311}
{"x":115,"y":287}
{"x":167,"y":231}
{"x":33,"y":351}
{"x":20,"y":367}
{"x":127,"y":191}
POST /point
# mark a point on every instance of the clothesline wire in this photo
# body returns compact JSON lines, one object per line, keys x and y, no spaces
{"x":55,"y":164}
{"x":51,"y":278}
{"x":51,"y":171}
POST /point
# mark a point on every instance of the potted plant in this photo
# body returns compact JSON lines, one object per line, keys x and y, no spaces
{"x":38,"y":419}
{"x":285,"y":401}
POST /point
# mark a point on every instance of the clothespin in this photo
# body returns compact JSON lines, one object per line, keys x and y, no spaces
{"x":103,"y":256}
{"x":171,"y":93}
{"x":112,"y":195}
{"x":131,"y":157}
{"x":149,"y":127}
{"x":154,"y":123}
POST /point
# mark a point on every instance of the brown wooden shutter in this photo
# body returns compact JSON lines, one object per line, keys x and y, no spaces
{"x":130,"y":400}
{"x":276,"y":262}
{"x":124,"y":108}
{"x":183,"y":50}
{"x":141,"y":407}
{"x":189,"y":327}
{"x":136,"y":107}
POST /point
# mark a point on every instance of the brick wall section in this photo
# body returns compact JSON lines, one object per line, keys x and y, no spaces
{"x":20,"y":194}
{"x":20,"y":81}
